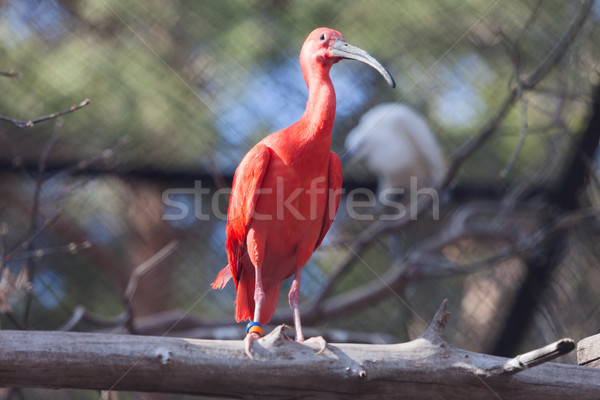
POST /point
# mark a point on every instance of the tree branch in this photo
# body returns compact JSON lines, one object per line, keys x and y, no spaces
{"x":80,"y":313}
{"x":410,"y":269}
{"x":32,"y":122}
{"x":538,"y":356}
{"x":10,"y":74}
{"x":146,"y":266}
{"x":422,"y":368}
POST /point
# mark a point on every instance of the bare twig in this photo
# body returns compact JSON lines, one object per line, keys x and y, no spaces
{"x":80,"y":313}
{"x":39,"y":253}
{"x":35,"y":210}
{"x":535,"y":357}
{"x":126,"y":317}
{"x":146,"y":266}
{"x":28,"y":242}
{"x":13,"y":254}
{"x":34,"y":232}
{"x":11,"y":74}
{"x":535,"y":13}
{"x":32,"y":122}
{"x":435,"y":332}
{"x":28,"y":251}
{"x":104,"y":155}
{"x":74,"y":319}
{"x":58,"y":125}
{"x":32,"y":261}
{"x":561,"y":46}
{"x":82,"y":166}
{"x":11,"y":317}
{"x":523,"y":129}
{"x":3,"y":235}
{"x":459,"y":226}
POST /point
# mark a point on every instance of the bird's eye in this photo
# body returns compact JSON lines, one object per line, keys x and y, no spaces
{"x":322,"y":37}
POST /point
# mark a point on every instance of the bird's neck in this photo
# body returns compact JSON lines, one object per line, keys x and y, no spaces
{"x":307,"y":143}
{"x":319,"y":115}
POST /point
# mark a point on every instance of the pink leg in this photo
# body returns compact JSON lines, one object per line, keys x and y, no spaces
{"x":294,"y":297}
{"x":259,"y":294}
{"x":256,"y":247}
{"x":259,"y":299}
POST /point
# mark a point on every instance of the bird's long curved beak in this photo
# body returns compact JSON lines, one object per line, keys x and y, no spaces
{"x":343,"y":49}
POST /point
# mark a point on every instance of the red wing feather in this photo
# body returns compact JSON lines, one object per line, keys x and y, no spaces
{"x":333,"y":195}
{"x":244,"y":194}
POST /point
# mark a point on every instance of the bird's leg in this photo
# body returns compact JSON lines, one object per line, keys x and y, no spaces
{"x":294,"y":298}
{"x":256,"y":250}
{"x":259,"y":295}
{"x":259,"y":299}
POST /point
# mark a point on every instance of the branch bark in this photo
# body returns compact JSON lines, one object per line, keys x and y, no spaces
{"x":424,"y":368}
{"x":32,"y":122}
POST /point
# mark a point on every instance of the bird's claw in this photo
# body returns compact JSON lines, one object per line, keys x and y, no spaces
{"x":251,"y":337}
{"x":318,"y":340}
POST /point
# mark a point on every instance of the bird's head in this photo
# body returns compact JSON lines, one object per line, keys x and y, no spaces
{"x":326,"y":47}
{"x":318,"y":46}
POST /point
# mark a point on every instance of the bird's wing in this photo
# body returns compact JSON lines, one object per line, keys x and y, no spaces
{"x":333,"y":195}
{"x":244,"y":194}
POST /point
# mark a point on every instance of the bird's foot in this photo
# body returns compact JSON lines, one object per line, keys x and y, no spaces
{"x":250,"y":337}
{"x":318,"y":340}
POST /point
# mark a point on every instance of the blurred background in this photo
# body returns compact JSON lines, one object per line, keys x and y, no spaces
{"x":112,"y":215}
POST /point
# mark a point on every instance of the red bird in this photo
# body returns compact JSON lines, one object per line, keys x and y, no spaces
{"x":285,"y":194}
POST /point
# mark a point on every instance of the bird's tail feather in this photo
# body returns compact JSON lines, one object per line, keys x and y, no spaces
{"x":271,"y":297}
{"x":244,"y":302}
{"x":222,"y":278}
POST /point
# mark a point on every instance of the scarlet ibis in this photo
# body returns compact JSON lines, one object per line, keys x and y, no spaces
{"x":397,"y":144}
{"x":285,"y":194}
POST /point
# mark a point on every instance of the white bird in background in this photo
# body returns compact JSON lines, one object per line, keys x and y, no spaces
{"x":396,"y":144}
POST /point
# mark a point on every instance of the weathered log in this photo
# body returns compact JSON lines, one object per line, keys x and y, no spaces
{"x":588,"y":351}
{"x":426,"y":367}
